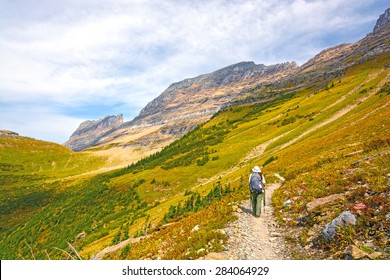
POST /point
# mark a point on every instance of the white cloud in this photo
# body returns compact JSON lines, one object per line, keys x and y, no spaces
{"x":127,"y":52}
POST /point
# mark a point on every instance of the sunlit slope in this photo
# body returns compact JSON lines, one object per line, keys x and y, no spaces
{"x":33,"y":173}
{"x":306,"y":135}
{"x":300,"y":134}
{"x":23,"y":155}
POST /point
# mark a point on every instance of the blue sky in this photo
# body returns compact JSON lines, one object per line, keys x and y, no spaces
{"x":67,"y":61}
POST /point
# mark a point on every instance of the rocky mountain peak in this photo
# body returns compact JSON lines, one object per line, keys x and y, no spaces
{"x":105,"y":122}
{"x":383,"y":22}
{"x":220,"y":86}
{"x":238,"y":67}
{"x":90,"y":132}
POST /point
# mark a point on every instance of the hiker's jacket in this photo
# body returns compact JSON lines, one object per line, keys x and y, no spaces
{"x":256,"y":182}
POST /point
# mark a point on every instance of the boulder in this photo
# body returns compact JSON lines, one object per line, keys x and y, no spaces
{"x":196,"y":228}
{"x":329,"y":230}
{"x":81,"y":235}
{"x":323,"y":200}
{"x":216,"y":256}
{"x":201,"y":251}
{"x":221,"y":231}
{"x":287,"y":203}
{"x":375,"y":255}
{"x":357,"y":254}
{"x":369,"y":244}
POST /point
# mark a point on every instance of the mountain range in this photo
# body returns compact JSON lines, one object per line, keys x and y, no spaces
{"x":180,"y":108}
{"x":186,"y":104}
{"x":170,"y":183}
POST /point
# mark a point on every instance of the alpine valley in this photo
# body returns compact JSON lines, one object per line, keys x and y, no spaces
{"x":167,"y":184}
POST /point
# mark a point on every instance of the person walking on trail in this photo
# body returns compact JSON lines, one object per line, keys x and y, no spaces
{"x":256,"y":185}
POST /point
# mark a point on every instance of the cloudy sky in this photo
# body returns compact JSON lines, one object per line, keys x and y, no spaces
{"x":66,"y":61}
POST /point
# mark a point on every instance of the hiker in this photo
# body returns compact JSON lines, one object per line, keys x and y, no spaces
{"x":256,"y":185}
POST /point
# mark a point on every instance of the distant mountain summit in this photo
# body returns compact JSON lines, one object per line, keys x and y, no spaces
{"x":90,"y":132}
{"x":334,"y":60}
{"x":383,"y":22}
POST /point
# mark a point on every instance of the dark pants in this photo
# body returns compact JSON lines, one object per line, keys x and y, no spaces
{"x":257,"y":203}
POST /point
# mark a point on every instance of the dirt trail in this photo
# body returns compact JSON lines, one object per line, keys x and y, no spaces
{"x":254,"y":238}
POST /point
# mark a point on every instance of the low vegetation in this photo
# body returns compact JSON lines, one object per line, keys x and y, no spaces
{"x":179,"y":199}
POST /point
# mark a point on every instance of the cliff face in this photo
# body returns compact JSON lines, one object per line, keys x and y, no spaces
{"x":206,"y":94}
{"x":90,"y":132}
{"x":383,"y":22}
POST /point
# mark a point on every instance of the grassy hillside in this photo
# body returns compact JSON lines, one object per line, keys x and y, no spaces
{"x":315,"y":136}
{"x":33,"y":174}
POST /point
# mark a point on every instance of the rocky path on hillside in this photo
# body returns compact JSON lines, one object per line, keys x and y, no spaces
{"x":252,"y":238}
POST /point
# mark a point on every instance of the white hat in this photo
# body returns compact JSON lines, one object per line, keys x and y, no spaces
{"x":256,"y":169}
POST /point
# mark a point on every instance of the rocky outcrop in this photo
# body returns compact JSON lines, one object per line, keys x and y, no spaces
{"x":90,"y":132}
{"x":383,"y":22}
{"x":323,"y":200}
{"x":8,"y":133}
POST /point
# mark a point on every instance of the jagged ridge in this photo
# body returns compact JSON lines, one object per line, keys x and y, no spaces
{"x":90,"y":132}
